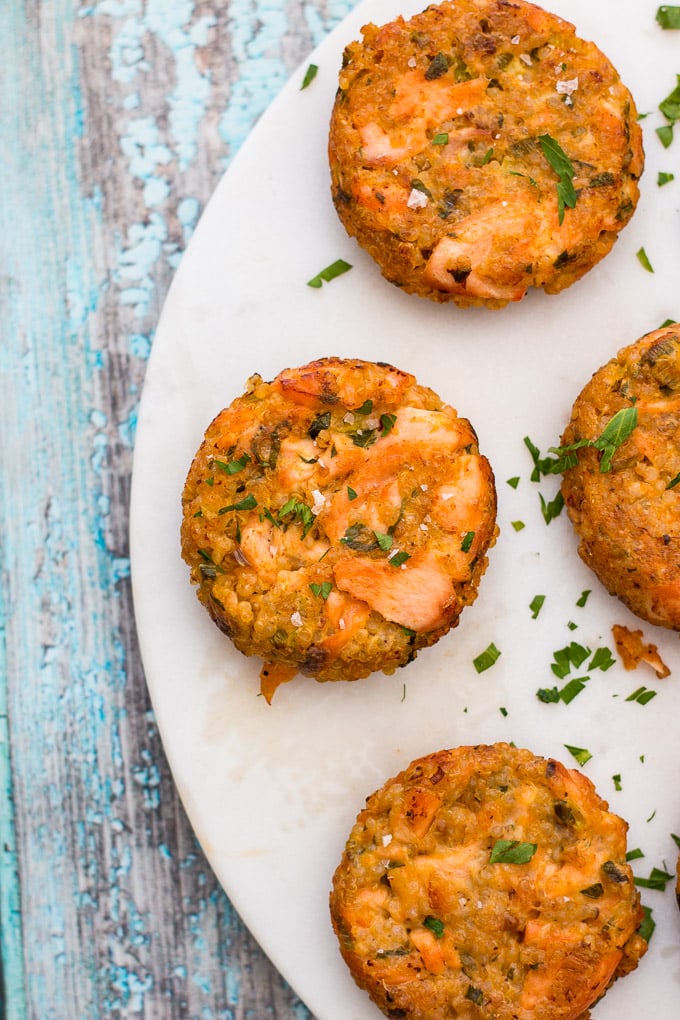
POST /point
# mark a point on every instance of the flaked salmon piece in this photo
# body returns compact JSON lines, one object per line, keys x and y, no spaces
{"x":467,"y":261}
{"x":437,"y":953}
{"x":272,"y":675}
{"x":633,"y":649}
{"x":420,"y":106}
{"x":331,"y":381}
{"x":296,"y":463}
{"x":458,"y":506}
{"x":418,"y":595}
{"x":565,"y":963}
{"x":346,"y":616}
{"x":268,"y":549}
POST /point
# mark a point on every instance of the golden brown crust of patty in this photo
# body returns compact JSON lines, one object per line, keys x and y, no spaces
{"x":436,"y":162}
{"x":434,"y":930}
{"x":628,"y":518}
{"x":337,"y":519}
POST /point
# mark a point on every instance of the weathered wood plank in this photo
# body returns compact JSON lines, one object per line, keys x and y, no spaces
{"x":117,"y":118}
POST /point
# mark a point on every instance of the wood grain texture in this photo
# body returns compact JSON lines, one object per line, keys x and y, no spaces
{"x":117,"y":119}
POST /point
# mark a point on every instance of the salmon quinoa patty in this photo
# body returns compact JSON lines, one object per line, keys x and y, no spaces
{"x":337,"y":520}
{"x":486,"y":882}
{"x":482,"y":148}
{"x":625,"y":507}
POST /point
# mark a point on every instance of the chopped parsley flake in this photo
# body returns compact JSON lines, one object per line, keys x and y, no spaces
{"x":643,"y":259}
{"x":384,"y":541}
{"x":511,"y":851}
{"x":468,"y":539}
{"x":634,"y":855}
{"x":335,"y":269}
{"x":486,"y":659}
{"x":583,"y":598}
{"x":642,"y":695}
{"x":310,"y":75}
{"x":475,"y":995}
{"x":518,"y":525}
{"x":580,"y":754}
{"x":300,"y":511}
{"x":536,"y":605}
{"x":434,"y":925}
{"x":665,"y":134}
{"x":365,"y":408}
{"x":321,"y":422}
{"x":247,"y":503}
{"x":387,"y":423}
{"x":563,"y":167}
{"x":664,"y":178}
{"x":673,"y":482}
{"x":232,"y":467}
{"x":441,"y":138}
{"x":513,"y":482}
{"x":551,"y":508}
{"x":593,"y":891}
{"x":351,"y":494}
{"x":668,"y":17}
{"x":548,"y":695}
{"x":322,"y":590}
{"x":658,"y":880}
{"x":616,"y":779}
{"x":646,"y":929}
{"x":399,"y":558}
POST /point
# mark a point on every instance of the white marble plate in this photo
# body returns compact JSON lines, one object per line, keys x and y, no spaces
{"x":272,"y":791}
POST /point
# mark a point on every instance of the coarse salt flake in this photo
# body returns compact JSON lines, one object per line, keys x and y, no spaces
{"x":412,"y":62}
{"x":296,"y":619}
{"x":514,"y":40}
{"x":387,"y":839}
{"x":341,"y":623}
{"x":424,"y":527}
{"x":319,"y":501}
{"x":424,"y":487}
{"x":566,"y":88}
{"x":526,"y":59}
{"x":417,"y":199}
{"x":349,"y":418}
{"x":373,"y":422}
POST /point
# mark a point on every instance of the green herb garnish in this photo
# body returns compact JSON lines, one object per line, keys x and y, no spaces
{"x":232,"y":467}
{"x":551,"y":508}
{"x":658,"y":879}
{"x":434,"y":925}
{"x":468,"y":539}
{"x":643,"y":259}
{"x":364,"y":437}
{"x":441,"y":138}
{"x":563,"y":167}
{"x":384,"y":541}
{"x":336,"y":268}
{"x":634,"y":855}
{"x":300,"y":511}
{"x":310,"y":75}
{"x":399,"y":558}
{"x":475,"y":995}
{"x":664,"y":178}
{"x":486,"y":659}
{"x":387,"y":423}
{"x":518,"y":525}
{"x":322,"y":590}
{"x":668,"y":17}
{"x":643,"y":695}
{"x":593,"y":891}
{"x":583,"y":598}
{"x":581,"y":754}
{"x":321,"y":422}
{"x":360,"y":538}
{"x":512,"y":851}
{"x":646,"y":929}
{"x":351,"y":494}
{"x":365,"y":408}
{"x":536,"y":605}
{"x":548,"y":695}
{"x":665,"y":134}
{"x":673,"y":482}
{"x":437,"y":67}
{"x":513,"y":482}
{"x":616,"y":779}
{"x":247,"y":503}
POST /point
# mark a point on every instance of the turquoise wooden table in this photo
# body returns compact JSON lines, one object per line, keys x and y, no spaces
{"x":118,"y":118}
